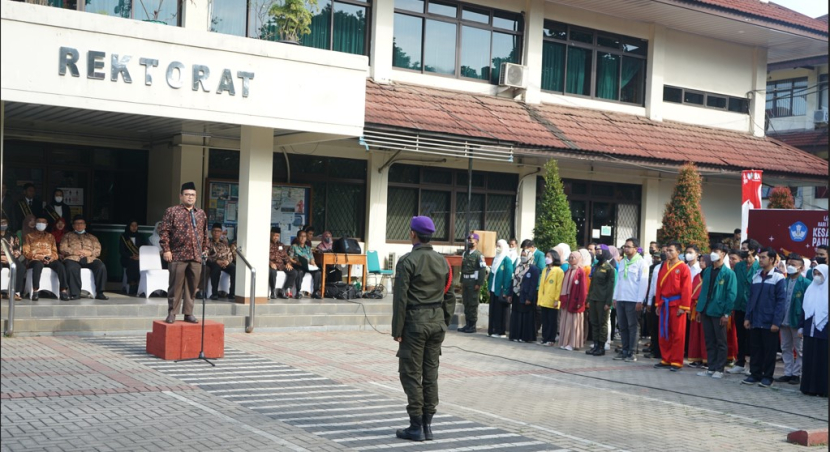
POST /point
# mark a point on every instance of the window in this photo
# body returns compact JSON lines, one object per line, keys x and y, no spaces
{"x":594,"y":64}
{"x":787,"y":98}
{"x":455,"y":39}
{"x":161,"y":11}
{"x":442,"y":195}
{"x":686,"y":96}
{"x":822,"y":91}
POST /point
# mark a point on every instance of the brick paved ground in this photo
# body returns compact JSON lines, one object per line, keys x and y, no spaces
{"x":339,"y":391}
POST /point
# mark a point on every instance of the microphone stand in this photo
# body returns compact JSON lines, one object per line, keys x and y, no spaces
{"x":204,"y":295}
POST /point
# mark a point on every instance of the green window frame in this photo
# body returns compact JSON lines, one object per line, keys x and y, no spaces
{"x":591,"y":63}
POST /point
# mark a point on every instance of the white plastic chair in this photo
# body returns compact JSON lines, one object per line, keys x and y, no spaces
{"x":4,"y":279}
{"x":153,"y":277}
{"x":125,"y":286}
{"x":306,"y":286}
{"x":88,"y":282}
{"x":224,"y":283}
{"x":48,"y":282}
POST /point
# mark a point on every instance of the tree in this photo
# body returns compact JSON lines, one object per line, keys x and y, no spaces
{"x":781,"y":198}
{"x":554,"y":224}
{"x":683,"y":218}
{"x":293,"y":18}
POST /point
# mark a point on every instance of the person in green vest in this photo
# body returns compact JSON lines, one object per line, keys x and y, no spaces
{"x":473,"y":269}
{"x":422,"y":308}
{"x":744,"y":271}
{"x":790,"y":342}
{"x":718,"y":291}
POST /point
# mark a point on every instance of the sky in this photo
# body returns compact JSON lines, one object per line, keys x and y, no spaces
{"x":812,"y":8}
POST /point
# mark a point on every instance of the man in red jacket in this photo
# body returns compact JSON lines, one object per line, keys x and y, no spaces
{"x":673,"y":298}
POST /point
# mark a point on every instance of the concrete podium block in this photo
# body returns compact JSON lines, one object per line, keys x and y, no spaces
{"x":808,"y":437}
{"x":182,"y":340}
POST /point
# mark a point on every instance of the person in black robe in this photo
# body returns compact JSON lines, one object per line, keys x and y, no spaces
{"x":57,"y":209}
{"x":525,"y":287}
{"x":813,"y":328}
{"x":128,"y":246}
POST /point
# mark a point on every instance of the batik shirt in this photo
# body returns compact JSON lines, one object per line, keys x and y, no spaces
{"x":178,"y":235}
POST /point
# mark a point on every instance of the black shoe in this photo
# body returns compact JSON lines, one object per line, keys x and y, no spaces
{"x":214,"y":296}
{"x":317,"y":295}
{"x":795,"y":380}
{"x":299,"y":296}
{"x":272,"y":294}
{"x":232,"y":296}
{"x":36,"y":296}
{"x":784,"y":379}
{"x":464,"y":328}
{"x":427,"y":421}
{"x":415,"y":430}
{"x":660,"y":365}
{"x":74,"y":297}
{"x":190,"y":319}
{"x":64,"y":296}
{"x":471,"y":328}
{"x":600,"y":351}
{"x":281,"y":294}
{"x":101,"y":296}
{"x":171,"y":318}
{"x":620,"y":356}
{"x":591,"y":350}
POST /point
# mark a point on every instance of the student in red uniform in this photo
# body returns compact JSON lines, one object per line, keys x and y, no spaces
{"x":673,"y":299}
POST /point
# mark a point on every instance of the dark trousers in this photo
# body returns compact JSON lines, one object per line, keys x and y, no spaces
{"x":498,"y":315}
{"x":216,"y":272}
{"x":599,"y":321}
{"x":470,"y":297}
{"x":56,"y":266}
{"x":20,"y":276}
{"x":184,"y":281}
{"x":290,"y":279}
{"x":743,"y":339}
{"x":315,"y":277}
{"x":418,"y":359}
{"x":715,"y":336}
{"x":550,"y":322}
{"x":613,"y":322}
{"x":73,"y":275}
{"x":133,"y":273}
{"x":627,"y":316}
{"x":763,"y":347}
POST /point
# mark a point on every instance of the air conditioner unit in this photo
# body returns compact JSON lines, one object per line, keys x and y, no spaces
{"x":513,"y":75}
{"x":820,"y":116}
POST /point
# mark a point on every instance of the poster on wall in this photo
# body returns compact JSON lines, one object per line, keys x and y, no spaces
{"x":289,"y":208}
{"x":73,"y":196}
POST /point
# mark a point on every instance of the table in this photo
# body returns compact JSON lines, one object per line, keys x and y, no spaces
{"x":348,"y":260}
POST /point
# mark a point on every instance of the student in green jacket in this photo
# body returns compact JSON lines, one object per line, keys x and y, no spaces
{"x":796,"y":286}
{"x":718,"y":291}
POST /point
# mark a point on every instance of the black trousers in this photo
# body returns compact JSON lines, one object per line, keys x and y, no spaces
{"x":764,"y":345}
{"x":498,"y":315}
{"x":290,"y":279}
{"x":20,"y":277}
{"x":550,"y":322}
{"x":715,"y":336}
{"x":56,"y":266}
{"x":73,"y":275}
{"x":315,"y":277}
{"x":653,"y":321}
{"x":216,"y":272}
{"x":133,"y":270}
{"x":743,"y":338}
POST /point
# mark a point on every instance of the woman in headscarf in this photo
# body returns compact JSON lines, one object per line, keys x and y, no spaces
{"x":27,"y":227}
{"x":587,"y":261}
{"x":573,"y":295}
{"x":564,"y":251}
{"x":501,"y":287}
{"x":697,"y":343}
{"x":813,"y":328}
{"x":550,"y":287}
{"x":57,"y":209}
{"x":612,"y":321}
{"x":128,"y":246}
{"x":525,"y":291}
{"x":154,"y":237}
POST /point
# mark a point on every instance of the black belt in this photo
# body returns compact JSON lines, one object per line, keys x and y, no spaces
{"x":415,"y":307}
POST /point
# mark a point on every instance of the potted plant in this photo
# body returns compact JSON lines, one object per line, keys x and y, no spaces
{"x":293,"y":18}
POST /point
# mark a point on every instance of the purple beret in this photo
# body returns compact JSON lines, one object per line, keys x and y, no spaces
{"x":474,"y":236}
{"x":422,"y":225}
{"x":603,"y":247}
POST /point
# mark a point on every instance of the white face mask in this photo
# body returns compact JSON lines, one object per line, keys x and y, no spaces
{"x":548,"y":261}
{"x":524,"y":259}
{"x":58,"y":199}
{"x":818,"y":279}
{"x":40,"y":227}
{"x":714,"y":256}
{"x":690,"y":257}
{"x":791,"y":270}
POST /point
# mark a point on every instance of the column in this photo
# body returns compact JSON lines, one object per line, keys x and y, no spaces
{"x":383,"y":19}
{"x":376,"y":197}
{"x":652,"y":212}
{"x":534,"y":25}
{"x":2,"y":134}
{"x":758,"y":102}
{"x":526,"y":207}
{"x":255,"y":182}
{"x":654,"y":72}
{"x":196,"y":14}
{"x":170,"y":166}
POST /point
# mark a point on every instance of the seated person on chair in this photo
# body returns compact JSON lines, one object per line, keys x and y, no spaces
{"x":14,"y":246}
{"x":280,"y":262}
{"x":81,"y":250}
{"x":325,"y":245}
{"x":58,"y":230}
{"x":302,"y":250}
{"x":220,"y":259}
{"x":40,"y":250}
{"x":128,"y":247}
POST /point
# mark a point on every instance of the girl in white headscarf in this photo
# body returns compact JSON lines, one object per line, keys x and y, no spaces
{"x":500,"y":284}
{"x":813,"y":327}
{"x":564,"y":251}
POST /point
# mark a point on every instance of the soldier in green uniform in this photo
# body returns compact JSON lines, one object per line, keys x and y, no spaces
{"x":422,"y":309}
{"x":599,"y":300}
{"x":473,"y":269}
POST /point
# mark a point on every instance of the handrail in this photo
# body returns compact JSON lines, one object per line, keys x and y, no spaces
{"x":249,"y":322}
{"x":12,"y":277}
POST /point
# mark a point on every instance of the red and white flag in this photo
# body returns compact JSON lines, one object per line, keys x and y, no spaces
{"x":751,"y":182}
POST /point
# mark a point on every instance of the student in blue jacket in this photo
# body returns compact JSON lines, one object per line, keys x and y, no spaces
{"x":764,"y":315}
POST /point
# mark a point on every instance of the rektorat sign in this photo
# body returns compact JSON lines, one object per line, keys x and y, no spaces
{"x":175,"y":72}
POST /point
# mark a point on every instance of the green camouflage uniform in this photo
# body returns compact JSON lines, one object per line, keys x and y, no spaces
{"x":421,"y":313}
{"x":473,"y":271}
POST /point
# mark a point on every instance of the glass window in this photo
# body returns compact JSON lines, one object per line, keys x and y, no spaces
{"x":578,"y":72}
{"x":609,"y":41}
{"x":320,"y":27}
{"x":475,"y":57}
{"x":406,"y":174}
{"x":410,"y":5}
{"x":476,"y":214}
{"x":476,"y":15}
{"x":693,"y":97}
{"x":507,"y":21}
{"x":505,"y":50}
{"x":432,"y":176}
{"x":165,"y":11}
{"x":632,"y":80}
{"x":555,"y":30}
{"x":708,"y":100}
{"x":553,"y":66}
{"x":713,"y":101}
{"x":608,"y":75}
{"x":401,"y":206}
{"x":582,"y":36}
{"x":406,"y":45}
{"x":229,"y":17}
{"x":436,"y":205}
{"x":443,"y":9}
{"x":672,"y":94}
{"x":439,"y":47}
{"x":787,"y":98}
{"x":738,"y":105}
{"x":822,"y":91}
{"x":350,"y":28}
{"x":109,"y":8}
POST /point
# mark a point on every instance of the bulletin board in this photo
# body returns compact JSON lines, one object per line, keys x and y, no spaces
{"x":290,"y":207}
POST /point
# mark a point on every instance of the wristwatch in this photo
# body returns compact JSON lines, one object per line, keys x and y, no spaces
{"x":726,"y":316}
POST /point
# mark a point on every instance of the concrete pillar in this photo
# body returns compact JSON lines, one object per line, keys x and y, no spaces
{"x":383,"y":19}
{"x":196,"y":14}
{"x":376,"y":197}
{"x":255,"y":182}
{"x":2,"y":133}
{"x":758,"y":102}
{"x":170,"y":167}
{"x":652,"y":212}
{"x":654,"y":72}
{"x":532,"y":58}
{"x":526,"y":206}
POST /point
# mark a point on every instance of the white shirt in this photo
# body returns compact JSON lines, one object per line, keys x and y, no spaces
{"x":695,"y":269}
{"x":653,"y":287}
{"x":632,"y":288}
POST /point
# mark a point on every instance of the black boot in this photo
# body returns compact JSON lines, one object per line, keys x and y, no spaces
{"x":471,"y":327}
{"x":427,"y":419}
{"x":415,"y":430}
{"x":464,"y":328}
{"x":591,"y":350}
{"x":600,"y":351}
